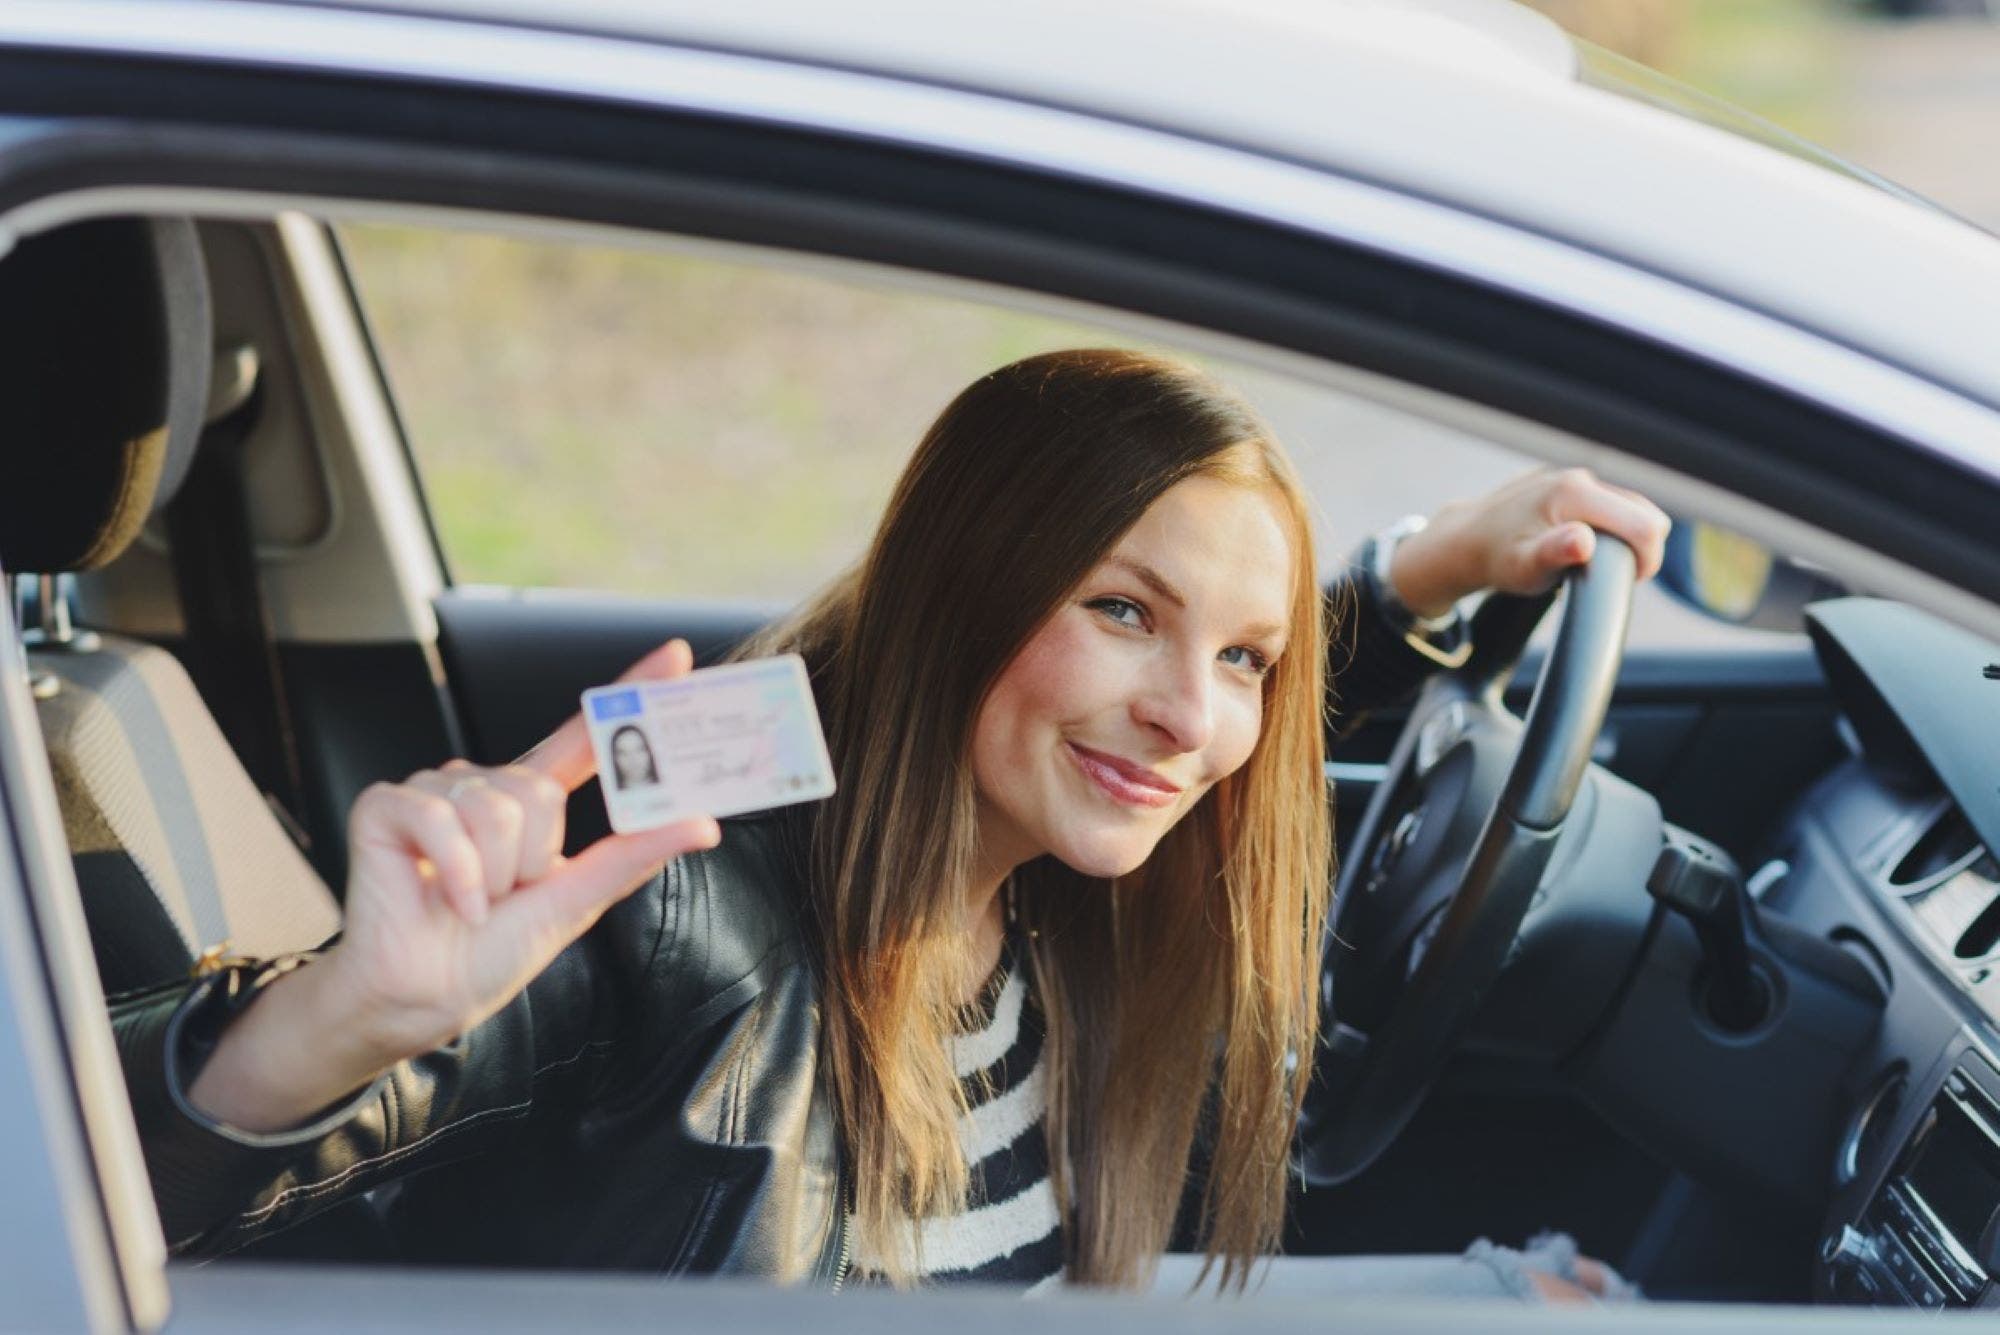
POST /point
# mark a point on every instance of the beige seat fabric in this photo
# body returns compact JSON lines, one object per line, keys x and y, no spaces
{"x":144,"y":774}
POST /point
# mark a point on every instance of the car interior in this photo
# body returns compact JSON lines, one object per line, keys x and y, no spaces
{"x":239,"y":615}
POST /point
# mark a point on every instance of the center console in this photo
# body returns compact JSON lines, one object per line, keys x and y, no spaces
{"x":1929,"y":1234}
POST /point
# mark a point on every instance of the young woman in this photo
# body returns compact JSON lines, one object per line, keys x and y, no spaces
{"x":967,"y":1018}
{"x":632,"y":760}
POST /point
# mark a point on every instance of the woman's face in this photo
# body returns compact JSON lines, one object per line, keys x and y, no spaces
{"x":1142,"y":690}
{"x":630,"y":753}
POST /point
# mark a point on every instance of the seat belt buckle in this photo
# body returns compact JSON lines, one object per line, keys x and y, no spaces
{"x":218,"y":959}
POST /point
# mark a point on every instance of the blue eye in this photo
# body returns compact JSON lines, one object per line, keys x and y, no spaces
{"x":1121,"y":610}
{"x":1252,"y":661}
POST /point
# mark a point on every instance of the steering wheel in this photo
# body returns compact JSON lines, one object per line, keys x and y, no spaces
{"x":1449,"y":858}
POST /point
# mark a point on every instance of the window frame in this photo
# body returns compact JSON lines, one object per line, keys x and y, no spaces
{"x":84,"y":1247}
{"x":1444,"y":322}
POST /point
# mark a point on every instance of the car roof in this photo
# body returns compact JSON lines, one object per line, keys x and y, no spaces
{"x":1471,"y":102}
{"x":1053,"y":42}
{"x":1475,"y":104}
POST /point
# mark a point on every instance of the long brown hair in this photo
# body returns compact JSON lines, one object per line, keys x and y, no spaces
{"x":1189,"y":984}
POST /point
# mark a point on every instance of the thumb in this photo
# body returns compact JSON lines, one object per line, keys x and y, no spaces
{"x":1564,"y":546}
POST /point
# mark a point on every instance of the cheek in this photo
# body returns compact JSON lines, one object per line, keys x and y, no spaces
{"x":1236,"y":732}
{"x":1047,"y":685}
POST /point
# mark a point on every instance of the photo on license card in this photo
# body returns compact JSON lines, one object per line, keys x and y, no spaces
{"x":717,"y":742}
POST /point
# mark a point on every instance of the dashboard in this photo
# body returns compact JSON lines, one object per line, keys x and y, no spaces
{"x":1892,"y":859}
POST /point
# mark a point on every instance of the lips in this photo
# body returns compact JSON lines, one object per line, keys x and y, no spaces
{"x":1121,"y":780}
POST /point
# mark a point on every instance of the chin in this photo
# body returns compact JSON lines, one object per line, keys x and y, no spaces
{"x":1105,"y":857}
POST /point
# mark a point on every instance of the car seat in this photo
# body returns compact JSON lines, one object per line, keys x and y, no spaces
{"x":105,"y":351}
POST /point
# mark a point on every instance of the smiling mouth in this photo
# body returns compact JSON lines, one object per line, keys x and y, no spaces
{"x":1121,"y":780}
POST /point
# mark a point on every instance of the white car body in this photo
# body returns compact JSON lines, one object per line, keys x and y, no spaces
{"x":1452,"y":136}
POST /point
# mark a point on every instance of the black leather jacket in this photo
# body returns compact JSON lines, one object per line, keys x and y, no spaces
{"x":650,"y":1102}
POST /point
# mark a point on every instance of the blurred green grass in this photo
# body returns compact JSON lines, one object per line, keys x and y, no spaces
{"x":1780,"y":59}
{"x":654,"y":422}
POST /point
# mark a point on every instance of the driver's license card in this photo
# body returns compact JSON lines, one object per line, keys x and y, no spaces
{"x":718,"y":742}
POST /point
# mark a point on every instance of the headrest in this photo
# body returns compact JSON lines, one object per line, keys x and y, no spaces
{"x":105,"y":341}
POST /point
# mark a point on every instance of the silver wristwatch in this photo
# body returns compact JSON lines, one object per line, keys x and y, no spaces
{"x":1442,"y":639}
{"x":1383,"y":554}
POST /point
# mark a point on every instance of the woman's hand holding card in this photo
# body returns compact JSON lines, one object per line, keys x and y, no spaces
{"x":458,"y":895}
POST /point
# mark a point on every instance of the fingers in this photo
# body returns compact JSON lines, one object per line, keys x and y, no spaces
{"x":493,"y":821}
{"x":425,"y":826}
{"x":513,"y":816}
{"x":544,"y":809}
{"x":480,"y":834}
{"x":1577,"y":495}
{"x":512,"y":810}
{"x":1563,"y":546}
{"x":1523,"y":536}
{"x":571,"y":898}
{"x":564,"y":756}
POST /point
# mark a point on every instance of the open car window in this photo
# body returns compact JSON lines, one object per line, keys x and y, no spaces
{"x":676,"y":423}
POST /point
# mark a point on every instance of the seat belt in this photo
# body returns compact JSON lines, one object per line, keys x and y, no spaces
{"x":229,"y":649}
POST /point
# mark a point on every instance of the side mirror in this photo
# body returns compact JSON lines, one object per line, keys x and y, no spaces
{"x":1739,"y":580}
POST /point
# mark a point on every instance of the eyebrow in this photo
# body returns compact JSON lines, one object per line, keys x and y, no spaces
{"x":1161,"y":585}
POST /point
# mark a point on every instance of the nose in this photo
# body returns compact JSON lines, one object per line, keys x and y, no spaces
{"x":1176,"y":702}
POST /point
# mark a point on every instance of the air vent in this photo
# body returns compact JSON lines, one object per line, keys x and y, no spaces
{"x":1949,"y":841}
{"x":1982,"y":935}
{"x":1961,"y":908}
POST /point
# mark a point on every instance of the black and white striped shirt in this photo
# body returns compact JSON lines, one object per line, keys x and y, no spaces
{"x":1010,"y":1232}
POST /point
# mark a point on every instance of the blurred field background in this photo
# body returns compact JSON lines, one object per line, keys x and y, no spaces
{"x":672,"y":424}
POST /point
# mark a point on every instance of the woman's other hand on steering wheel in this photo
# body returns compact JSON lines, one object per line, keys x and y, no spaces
{"x":1522,"y":537}
{"x":458,"y":894}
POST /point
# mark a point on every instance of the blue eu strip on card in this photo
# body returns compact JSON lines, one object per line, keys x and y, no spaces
{"x":718,"y":742}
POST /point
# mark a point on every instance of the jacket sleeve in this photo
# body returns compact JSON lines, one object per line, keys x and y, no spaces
{"x":1372,"y":661}
{"x":219,"y":1187}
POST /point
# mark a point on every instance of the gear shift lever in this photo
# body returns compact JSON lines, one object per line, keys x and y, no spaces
{"x":1699,"y":881}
